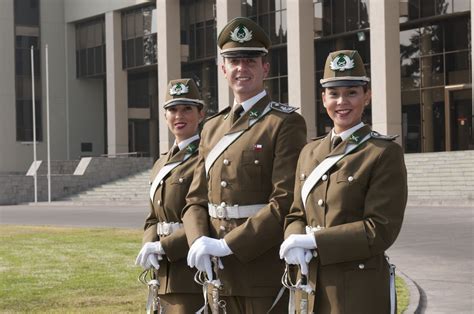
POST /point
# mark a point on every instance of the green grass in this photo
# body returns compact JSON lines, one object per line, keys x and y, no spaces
{"x":78,"y":270}
{"x":59,"y":270}
{"x":403,"y":296}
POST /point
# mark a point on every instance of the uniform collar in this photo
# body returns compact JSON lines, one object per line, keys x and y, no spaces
{"x":254,"y":113}
{"x":187,"y":146}
{"x":351,"y":137}
{"x":345,"y":134}
{"x":248,"y":104}
{"x":186,"y":142}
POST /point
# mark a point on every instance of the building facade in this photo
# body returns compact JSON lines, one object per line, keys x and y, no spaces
{"x":109,"y":60}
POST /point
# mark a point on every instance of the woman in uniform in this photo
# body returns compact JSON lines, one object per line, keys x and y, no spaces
{"x":164,"y":242}
{"x":350,"y":197}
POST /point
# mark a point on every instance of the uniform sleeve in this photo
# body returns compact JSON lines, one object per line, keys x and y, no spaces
{"x":384,"y":208}
{"x":296,"y":222}
{"x":150,"y":226}
{"x":175,"y":245}
{"x":267,"y":224}
{"x":195,"y":214}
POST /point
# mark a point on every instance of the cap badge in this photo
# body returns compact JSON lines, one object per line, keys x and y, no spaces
{"x":241,"y":34}
{"x":179,"y":89}
{"x":342,"y":62}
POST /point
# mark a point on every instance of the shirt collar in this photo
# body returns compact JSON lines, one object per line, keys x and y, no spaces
{"x":251,"y":101}
{"x":345,"y":134}
{"x":187,"y":141}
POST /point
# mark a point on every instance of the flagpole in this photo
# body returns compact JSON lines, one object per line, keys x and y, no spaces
{"x":47,"y":123}
{"x":34,"y":122}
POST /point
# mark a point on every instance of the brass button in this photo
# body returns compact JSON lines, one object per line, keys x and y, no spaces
{"x":226,"y":162}
{"x":223,"y":184}
{"x":302,"y":176}
{"x":161,"y":182}
{"x":159,"y":202}
{"x":256,"y":162}
{"x":324,"y":177}
{"x":350,"y":178}
{"x":180,"y":180}
{"x":320,"y":202}
{"x":361,"y":266}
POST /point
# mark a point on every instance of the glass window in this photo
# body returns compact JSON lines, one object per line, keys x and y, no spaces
{"x":427,"y":8}
{"x":411,"y":122}
{"x":458,"y":68}
{"x":26,"y":12}
{"x":90,"y":47}
{"x":205,"y":75}
{"x":457,"y":34}
{"x":432,"y":71}
{"x":24,"y":121}
{"x":430,"y":40}
{"x":198,"y":27}
{"x":352,"y":15}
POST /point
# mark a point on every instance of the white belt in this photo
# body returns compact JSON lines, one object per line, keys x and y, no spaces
{"x":167,"y":228}
{"x":224,"y":211}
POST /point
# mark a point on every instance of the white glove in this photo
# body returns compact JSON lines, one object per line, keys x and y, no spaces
{"x":207,"y":246}
{"x":154,"y":249}
{"x":304,"y":241}
{"x":299,"y":256}
{"x":204,"y":264}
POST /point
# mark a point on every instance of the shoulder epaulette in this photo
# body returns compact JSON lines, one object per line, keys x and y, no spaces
{"x":285,"y":108}
{"x":375,"y":134}
{"x":225,"y":110}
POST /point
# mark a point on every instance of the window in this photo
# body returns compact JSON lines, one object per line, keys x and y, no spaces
{"x":335,"y":17}
{"x":26,"y":36}
{"x":138,"y":38}
{"x":90,"y":48}
{"x":198,"y":29}
{"x":270,"y":15}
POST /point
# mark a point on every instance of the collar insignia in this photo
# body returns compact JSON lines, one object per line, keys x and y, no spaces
{"x":354,"y":138}
{"x":191,"y":148}
{"x":179,"y":89}
{"x":254,"y":114}
{"x":341,"y":63}
{"x":241,"y":34}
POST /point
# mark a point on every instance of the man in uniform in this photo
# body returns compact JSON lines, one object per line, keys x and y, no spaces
{"x":243,"y":185}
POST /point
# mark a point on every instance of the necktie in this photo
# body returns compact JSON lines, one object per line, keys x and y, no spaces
{"x":175,"y":150}
{"x":236,"y":114}
{"x":335,"y":141}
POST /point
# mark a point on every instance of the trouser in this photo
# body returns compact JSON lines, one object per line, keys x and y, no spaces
{"x":181,"y":303}
{"x":253,"y":305}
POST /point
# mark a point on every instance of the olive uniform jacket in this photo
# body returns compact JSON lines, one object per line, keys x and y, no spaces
{"x":258,"y":168}
{"x":169,"y":199}
{"x":359,"y":204}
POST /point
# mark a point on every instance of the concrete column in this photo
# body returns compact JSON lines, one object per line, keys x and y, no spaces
{"x":226,"y":10}
{"x":117,"y":111}
{"x":300,"y":47}
{"x":169,"y":60}
{"x":385,"y":67}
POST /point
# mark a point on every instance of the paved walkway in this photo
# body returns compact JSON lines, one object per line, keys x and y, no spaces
{"x":435,"y":249}
{"x":435,"y":246}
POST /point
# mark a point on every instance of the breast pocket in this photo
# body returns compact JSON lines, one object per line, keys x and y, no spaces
{"x":250,"y":172}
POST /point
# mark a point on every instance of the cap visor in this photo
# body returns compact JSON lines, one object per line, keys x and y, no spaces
{"x":243,"y":54}
{"x":182,"y":102}
{"x":345,"y":83}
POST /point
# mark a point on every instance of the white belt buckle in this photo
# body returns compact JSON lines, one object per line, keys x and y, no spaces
{"x":221,"y":212}
{"x":166,"y":228}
